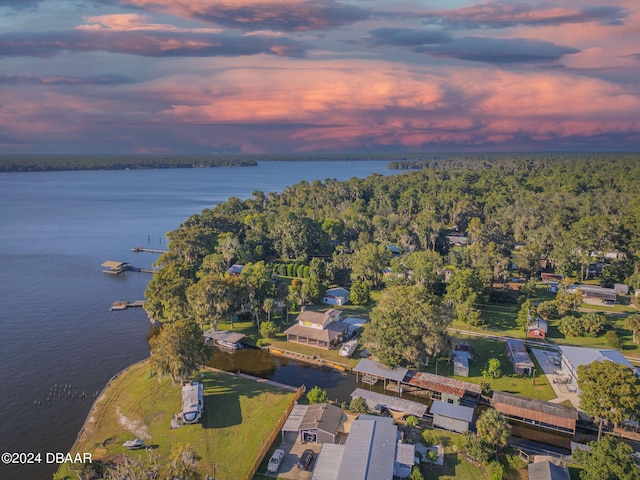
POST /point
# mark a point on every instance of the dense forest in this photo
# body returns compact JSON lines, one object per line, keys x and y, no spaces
{"x":562,"y":213}
{"x":44,"y":163}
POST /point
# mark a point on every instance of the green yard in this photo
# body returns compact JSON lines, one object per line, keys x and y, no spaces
{"x":239,"y":415}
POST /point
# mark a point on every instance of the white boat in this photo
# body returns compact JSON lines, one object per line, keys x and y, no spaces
{"x":347,"y":348}
{"x":133,"y":444}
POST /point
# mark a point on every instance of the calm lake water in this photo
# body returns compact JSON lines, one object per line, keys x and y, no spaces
{"x":59,"y":343}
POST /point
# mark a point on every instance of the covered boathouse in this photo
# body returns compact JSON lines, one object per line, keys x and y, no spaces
{"x":537,"y":420}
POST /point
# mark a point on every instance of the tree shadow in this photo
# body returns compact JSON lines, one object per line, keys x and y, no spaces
{"x":222,"y":394}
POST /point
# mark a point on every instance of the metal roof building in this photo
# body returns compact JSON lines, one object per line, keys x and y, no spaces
{"x":371,"y":452}
{"x":519,"y":357}
{"x":449,"y":416}
{"x":573,"y":357}
{"x":377,"y":401}
{"x":442,"y":388}
{"x":547,"y":471}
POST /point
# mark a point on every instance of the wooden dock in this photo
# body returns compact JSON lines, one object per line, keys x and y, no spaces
{"x":116,"y":268}
{"x":147,"y":250}
{"x":123,"y":305}
{"x":313,"y":360}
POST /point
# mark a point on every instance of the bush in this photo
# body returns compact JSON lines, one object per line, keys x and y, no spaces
{"x":305,"y":271}
{"x":612,"y":340}
{"x":477,"y":448}
{"x":282,"y":269}
{"x":495,"y":470}
{"x":269,"y":329}
{"x":290,"y":268}
{"x":432,"y":456}
{"x":300,"y":271}
{"x":359,"y":294}
{"x":416,"y":474}
{"x":358,"y":405}
{"x":429,"y":438}
{"x":317,"y":395}
{"x":412,"y":421}
{"x":588,"y":325}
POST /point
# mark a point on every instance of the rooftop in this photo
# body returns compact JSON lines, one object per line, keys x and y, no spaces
{"x":317,"y":318}
{"x":322,"y":416}
{"x":459,"y":412}
{"x":223,"y":335}
{"x":547,"y":471}
{"x":377,"y":401}
{"x":438,"y":383}
{"x":585,"y":356}
{"x":533,"y":404}
{"x":371,"y":367}
{"x":325,"y":335}
{"x":519,"y":353}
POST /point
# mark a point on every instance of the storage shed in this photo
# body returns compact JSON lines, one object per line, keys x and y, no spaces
{"x":519,"y":357}
{"x":547,"y":471}
{"x":455,"y":418}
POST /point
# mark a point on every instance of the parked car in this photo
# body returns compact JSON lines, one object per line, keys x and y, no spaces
{"x":275,"y":461}
{"x":305,"y":459}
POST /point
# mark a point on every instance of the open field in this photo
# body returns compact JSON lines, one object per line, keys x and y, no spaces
{"x":239,"y":415}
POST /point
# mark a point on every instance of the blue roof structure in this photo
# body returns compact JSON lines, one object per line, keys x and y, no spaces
{"x":585,"y":356}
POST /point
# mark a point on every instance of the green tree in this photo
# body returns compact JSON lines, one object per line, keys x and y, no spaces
{"x":492,"y":427}
{"x":368,"y":263}
{"x":178,"y":350}
{"x":464,"y":293}
{"x":269,"y":329}
{"x":612,"y":340}
{"x":406,"y":326}
{"x":609,"y":391}
{"x":632,"y":322}
{"x":359,"y":294}
{"x":317,"y":395}
{"x":609,"y":459}
{"x":547,"y":310}
{"x":526,"y":315}
{"x":416,"y":473}
{"x":493,"y":370}
{"x":358,"y":405}
{"x":412,"y":421}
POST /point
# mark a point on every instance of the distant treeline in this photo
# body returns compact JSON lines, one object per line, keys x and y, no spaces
{"x":43,"y":163}
{"x":449,"y":161}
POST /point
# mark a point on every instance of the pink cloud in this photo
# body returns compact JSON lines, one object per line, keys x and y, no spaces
{"x":134,"y":22}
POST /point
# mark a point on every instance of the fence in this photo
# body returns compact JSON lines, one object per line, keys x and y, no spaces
{"x":266,"y":445}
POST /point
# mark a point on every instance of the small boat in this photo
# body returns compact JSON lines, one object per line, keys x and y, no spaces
{"x":347,"y":348}
{"x":133,"y":444}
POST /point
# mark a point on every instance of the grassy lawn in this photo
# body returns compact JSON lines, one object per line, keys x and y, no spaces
{"x":239,"y":415}
{"x":456,"y":467}
{"x":482,"y":350}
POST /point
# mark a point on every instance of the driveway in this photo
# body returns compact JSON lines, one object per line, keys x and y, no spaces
{"x":293,"y":450}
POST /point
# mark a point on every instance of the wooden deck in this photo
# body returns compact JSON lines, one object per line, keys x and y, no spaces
{"x":147,"y":250}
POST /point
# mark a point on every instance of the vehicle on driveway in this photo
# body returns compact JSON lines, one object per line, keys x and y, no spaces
{"x":305,"y":459}
{"x":275,"y":461}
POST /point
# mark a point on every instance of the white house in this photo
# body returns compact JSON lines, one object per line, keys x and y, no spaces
{"x":336,"y":296}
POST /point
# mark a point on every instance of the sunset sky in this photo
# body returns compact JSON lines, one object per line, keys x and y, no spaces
{"x":305,"y":76}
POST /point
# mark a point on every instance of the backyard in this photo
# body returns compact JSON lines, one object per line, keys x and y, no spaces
{"x":239,"y":415}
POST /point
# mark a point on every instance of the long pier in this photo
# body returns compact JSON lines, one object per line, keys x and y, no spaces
{"x":147,"y":250}
{"x":116,"y":268}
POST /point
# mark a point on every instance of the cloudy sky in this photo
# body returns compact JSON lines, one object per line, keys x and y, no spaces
{"x":287,"y":76}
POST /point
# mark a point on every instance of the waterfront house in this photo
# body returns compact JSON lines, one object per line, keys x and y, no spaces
{"x":318,"y":329}
{"x":114,"y":267}
{"x":224,"y":339}
{"x":396,"y":406}
{"x":317,"y":423}
{"x":336,"y":296}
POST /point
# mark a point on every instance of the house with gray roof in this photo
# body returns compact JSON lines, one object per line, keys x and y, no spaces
{"x":317,"y":423}
{"x":318,"y":329}
{"x":448,"y":416}
{"x":547,"y":471}
{"x":573,"y":357}
{"x":372,"y":452}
